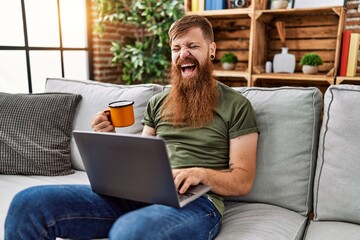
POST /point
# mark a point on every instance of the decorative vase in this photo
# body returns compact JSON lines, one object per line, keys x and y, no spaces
{"x":307,"y":69}
{"x":279,"y":4}
{"x":228,"y":66}
{"x":268,"y":67}
{"x":284,"y":62}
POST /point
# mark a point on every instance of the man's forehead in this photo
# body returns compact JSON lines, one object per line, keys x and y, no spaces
{"x":189,"y":33}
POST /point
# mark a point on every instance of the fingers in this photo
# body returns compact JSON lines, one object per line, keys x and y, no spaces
{"x":101,"y":123}
{"x":184,"y":178}
{"x":181,"y":182}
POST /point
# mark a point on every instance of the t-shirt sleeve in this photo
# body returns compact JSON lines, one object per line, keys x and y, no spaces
{"x":149,"y":118}
{"x":152,"y":113}
{"x":243,"y":120}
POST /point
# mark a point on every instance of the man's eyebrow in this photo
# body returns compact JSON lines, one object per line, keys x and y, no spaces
{"x":186,"y":43}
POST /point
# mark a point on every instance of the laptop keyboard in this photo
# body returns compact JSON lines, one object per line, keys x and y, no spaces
{"x":185,"y":195}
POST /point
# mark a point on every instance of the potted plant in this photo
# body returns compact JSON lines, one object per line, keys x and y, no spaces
{"x":279,"y":4}
{"x":144,"y":56}
{"x":310,"y":63}
{"x":228,"y":61}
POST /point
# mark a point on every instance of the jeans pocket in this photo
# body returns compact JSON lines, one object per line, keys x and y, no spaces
{"x":215,"y":230}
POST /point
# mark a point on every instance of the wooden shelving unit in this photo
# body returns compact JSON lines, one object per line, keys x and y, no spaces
{"x":316,"y":30}
{"x":340,"y":80}
{"x":251,"y":34}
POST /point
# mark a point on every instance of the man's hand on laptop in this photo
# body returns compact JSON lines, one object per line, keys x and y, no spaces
{"x":101,"y":123}
{"x":184,"y":178}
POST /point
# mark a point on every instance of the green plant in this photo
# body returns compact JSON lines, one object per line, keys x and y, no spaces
{"x":228,"y":58}
{"x":145,"y":57}
{"x":311,"y":59}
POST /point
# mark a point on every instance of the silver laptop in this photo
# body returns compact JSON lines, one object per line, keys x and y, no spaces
{"x":131,"y":167}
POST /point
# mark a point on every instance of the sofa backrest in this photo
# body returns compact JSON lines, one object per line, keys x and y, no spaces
{"x":288,"y":119}
{"x":336,"y":185}
{"x":289,"y":123}
{"x":95,"y":98}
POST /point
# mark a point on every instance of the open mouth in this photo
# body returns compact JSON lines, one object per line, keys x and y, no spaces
{"x":187,"y":69}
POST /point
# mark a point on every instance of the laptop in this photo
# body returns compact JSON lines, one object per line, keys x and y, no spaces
{"x":132,"y":167}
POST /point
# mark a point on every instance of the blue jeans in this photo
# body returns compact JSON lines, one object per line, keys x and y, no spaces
{"x":75,"y":211}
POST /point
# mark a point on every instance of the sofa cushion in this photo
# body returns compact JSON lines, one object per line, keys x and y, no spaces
{"x":336,"y":187}
{"x":12,"y":184}
{"x":289,"y":123}
{"x":95,"y":97}
{"x":35,"y":133}
{"x":332,"y":231}
{"x":252,"y":221}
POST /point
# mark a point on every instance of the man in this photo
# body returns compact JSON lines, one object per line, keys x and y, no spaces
{"x":211,"y":136}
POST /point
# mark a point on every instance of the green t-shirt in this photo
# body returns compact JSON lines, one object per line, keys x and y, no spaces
{"x":207,"y":146}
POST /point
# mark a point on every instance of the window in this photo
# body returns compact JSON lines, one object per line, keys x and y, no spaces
{"x":40,"y":39}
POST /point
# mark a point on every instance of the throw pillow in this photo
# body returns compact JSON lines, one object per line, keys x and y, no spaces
{"x":35,"y":133}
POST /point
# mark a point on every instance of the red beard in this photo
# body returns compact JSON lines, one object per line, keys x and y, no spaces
{"x":191,"y":101}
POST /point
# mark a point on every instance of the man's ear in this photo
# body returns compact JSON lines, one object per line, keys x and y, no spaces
{"x":212,"y":48}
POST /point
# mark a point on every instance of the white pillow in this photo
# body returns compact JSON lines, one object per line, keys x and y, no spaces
{"x":95,"y":97}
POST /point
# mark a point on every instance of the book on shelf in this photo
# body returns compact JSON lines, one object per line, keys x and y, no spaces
{"x":215,"y":4}
{"x":201,"y":5}
{"x":208,"y":5}
{"x":219,"y":4}
{"x":353,"y":54}
{"x":194,"y":5}
{"x":344,"y":52}
{"x":187,"y":5}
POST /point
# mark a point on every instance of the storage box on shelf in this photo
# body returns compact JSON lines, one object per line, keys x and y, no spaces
{"x":234,"y":33}
{"x":316,"y":30}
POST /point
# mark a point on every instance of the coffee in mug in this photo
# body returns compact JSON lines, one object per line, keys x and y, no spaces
{"x":121,"y":113}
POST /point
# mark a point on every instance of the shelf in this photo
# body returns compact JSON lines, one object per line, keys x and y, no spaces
{"x":233,"y":78}
{"x":301,"y":11}
{"x":231,"y":74}
{"x":224,"y":13}
{"x":339,"y":80}
{"x":229,"y":13}
{"x":294,"y":76}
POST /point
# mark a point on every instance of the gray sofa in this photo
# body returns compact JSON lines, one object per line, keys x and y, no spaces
{"x":307,"y":166}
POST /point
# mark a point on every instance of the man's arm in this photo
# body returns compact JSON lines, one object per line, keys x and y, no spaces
{"x":237,"y":180}
{"x":148,"y":131}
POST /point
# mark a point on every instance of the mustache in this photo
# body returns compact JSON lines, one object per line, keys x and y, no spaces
{"x":188,"y":60}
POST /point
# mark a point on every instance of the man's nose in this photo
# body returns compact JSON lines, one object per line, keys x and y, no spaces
{"x":184,"y":53}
